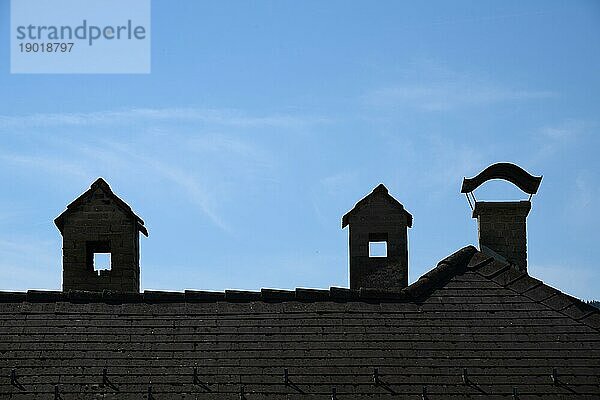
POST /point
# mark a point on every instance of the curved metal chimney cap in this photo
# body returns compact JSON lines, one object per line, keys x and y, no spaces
{"x":505,"y":171}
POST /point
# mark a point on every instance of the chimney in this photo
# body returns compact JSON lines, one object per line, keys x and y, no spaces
{"x":378,"y":242}
{"x":502,"y":226}
{"x":502,"y":230}
{"x":99,"y":224}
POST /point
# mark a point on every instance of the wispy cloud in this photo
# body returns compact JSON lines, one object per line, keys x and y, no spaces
{"x":224,"y":117}
{"x":226,"y":144}
{"x":28,"y":262}
{"x":119,"y":159}
{"x":45,"y":164}
{"x":490,"y":18}
{"x":584,"y":194}
{"x":443,"y":96}
{"x":430,"y":86}
{"x":25,"y":246}
{"x":331,"y":188}
{"x":551,"y":139}
{"x":450,"y":159}
{"x":198,"y":192}
{"x":566,"y":130}
{"x":214,"y":145}
{"x":580,"y":209}
{"x":336,"y":183}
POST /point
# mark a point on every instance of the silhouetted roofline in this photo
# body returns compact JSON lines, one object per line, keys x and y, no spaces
{"x":336,"y":294}
{"x":380,"y":189}
{"x":99,"y":183}
{"x":465,"y":259}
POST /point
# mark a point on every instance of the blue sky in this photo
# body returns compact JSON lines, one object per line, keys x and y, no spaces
{"x":263,"y":122}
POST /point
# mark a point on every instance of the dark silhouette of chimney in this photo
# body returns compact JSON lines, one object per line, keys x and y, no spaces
{"x":502,"y":230}
{"x":100,"y":222}
{"x":378,"y":220}
{"x":502,"y":225}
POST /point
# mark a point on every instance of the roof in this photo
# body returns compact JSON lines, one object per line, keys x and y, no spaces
{"x":379,"y":190}
{"x":103,"y":185}
{"x":471,"y":327}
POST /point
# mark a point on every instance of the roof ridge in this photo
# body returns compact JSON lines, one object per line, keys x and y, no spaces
{"x":445,"y":270}
{"x":520,"y":282}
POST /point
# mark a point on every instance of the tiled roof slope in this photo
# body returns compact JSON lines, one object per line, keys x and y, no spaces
{"x":470,"y":328}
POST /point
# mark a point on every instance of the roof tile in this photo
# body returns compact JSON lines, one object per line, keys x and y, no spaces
{"x":156,"y":296}
{"x":492,"y":268}
{"x":540,"y":293}
{"x":199,"y":296}
{"x":338,"y":293}
{"x":370,"y":294}
{"x":479,"y":260}
{"x":524,"y":283}
{"x":43,"y":296}
{"x":557,"y":302}
{"x":578,"y":310}
{"x":12,"y":297}
{"x":592,"y":319}
{"x":507,"y":276}
{"x":277,"y":295}
{"x":303,"y":294}
{"x":241,"y":295}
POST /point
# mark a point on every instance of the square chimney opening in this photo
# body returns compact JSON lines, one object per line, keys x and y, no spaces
{"x":98,"y":256}
{"x":102,"y":262}
{"x":378,"y":244}
{"x":377,"y":249}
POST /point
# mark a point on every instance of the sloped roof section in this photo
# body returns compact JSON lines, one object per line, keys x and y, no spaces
{"x":471,"y":328}
{"x":470,"y":261}
{"x":521,"y":283}
{"x":103,"y":185}
{"x":379,"y":190}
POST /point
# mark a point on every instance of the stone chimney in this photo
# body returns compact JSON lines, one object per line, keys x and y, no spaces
{"x":378,"y":242}
{"x":502,"y":224}
{"x":100,"y":223}
{"x":502,"y":230}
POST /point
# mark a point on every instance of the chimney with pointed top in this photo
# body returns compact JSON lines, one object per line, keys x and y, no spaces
{"x":98,"y":223}
{"x":378,"y":242}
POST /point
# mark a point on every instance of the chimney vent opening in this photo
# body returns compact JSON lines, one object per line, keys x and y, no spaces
{"x":102,"y":262}
{"x":99,"y":256}
{"x":378,"y":249}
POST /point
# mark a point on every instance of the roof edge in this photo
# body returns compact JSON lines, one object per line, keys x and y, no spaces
{"x":467,"y":258}
{"x":333,"y":294}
